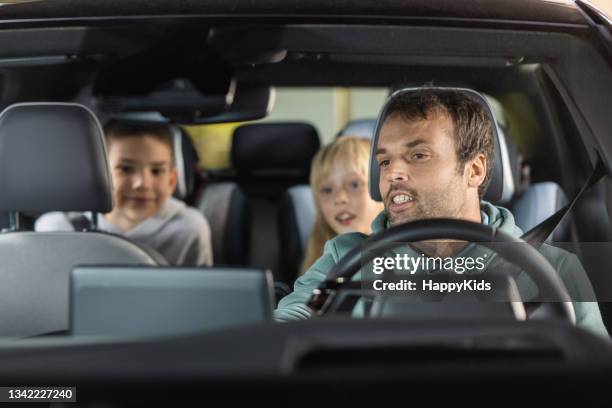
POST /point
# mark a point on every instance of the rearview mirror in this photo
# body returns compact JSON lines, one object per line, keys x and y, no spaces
{"x":185,"y":105}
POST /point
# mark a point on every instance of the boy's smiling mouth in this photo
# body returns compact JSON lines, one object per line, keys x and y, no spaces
{"x":140,"y":200}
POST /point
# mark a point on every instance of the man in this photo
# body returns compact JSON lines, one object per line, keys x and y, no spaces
{"x":144,"y":174}
{"x":435,"y":158}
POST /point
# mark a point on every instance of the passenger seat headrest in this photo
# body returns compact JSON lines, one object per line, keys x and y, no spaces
{"x":53,"y":158}
{"x":274,"y":146}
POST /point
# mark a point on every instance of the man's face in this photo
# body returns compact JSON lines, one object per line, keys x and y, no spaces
{"x":143,"y":178}
{"x":419,"y":173}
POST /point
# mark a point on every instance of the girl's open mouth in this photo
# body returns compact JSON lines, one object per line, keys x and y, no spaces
{"x":345,"y":218}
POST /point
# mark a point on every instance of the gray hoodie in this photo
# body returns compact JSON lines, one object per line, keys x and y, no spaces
{"x":179,"y":233}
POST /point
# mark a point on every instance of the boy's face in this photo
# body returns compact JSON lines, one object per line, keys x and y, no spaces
{"x":143,"y":178}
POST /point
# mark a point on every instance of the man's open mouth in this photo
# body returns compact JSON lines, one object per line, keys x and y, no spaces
{"x":399,"y":201}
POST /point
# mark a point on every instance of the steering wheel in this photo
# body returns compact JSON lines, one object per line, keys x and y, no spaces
{"x":521,"y":254}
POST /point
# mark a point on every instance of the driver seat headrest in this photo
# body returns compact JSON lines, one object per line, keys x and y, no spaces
{"x":53,"y":158}
{"x":501,"y":185}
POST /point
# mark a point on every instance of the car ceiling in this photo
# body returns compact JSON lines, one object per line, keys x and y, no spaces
{"x":294,"y":54}
{"x":550,"y":12}
{"x":58,"y":52}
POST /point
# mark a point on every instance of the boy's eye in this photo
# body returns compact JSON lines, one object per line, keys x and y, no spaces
{"x":354,"y":185}
{"x":124,"y":168}
{"x":325,"y":190}
{"x":384,"y":163}
{"x":158,"y":171}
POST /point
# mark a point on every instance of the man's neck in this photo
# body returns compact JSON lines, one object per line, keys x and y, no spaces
{"x":473,"y":215}
{"x":446,"y":248}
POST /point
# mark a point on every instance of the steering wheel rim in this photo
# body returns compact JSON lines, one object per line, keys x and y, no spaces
{"x":523,"y":255}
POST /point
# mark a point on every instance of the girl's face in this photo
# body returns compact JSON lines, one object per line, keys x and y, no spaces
{"x":345,"y":202}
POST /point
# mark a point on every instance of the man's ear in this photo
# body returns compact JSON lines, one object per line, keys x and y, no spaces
{"x":476,"y":170}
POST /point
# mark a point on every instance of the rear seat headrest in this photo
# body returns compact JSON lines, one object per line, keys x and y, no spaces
{"x":274,"y":146}
{"x":53,"y":158}
{"x":363,"y":128}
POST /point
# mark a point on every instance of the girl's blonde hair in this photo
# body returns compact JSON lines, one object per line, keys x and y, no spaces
{"x":350,"y":152}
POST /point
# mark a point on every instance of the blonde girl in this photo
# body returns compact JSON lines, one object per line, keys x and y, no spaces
{"x":339,"y":182}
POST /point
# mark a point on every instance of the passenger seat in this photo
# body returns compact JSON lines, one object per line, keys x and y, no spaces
{"x":269,"y":158}
{"x":52,"y":159}
{"x":223,"y":204}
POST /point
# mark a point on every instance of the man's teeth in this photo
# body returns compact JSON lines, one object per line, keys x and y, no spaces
{"x":401,"y":198}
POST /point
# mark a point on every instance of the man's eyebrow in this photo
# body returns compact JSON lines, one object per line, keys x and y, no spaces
{"x":416,"y":142}
{"x":382,"y":150}
{"x":160,"y":163}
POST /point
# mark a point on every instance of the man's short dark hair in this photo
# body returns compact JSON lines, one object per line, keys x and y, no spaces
{"x":117,"y":130}
{"x":471,"y":123}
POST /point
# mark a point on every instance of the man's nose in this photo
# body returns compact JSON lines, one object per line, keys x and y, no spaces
{"x":398,"y":171}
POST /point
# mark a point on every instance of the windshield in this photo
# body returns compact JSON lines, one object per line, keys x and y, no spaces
{"x":293,"y":193}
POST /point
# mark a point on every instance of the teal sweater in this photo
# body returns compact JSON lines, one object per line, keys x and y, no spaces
{"x":293,"y":306}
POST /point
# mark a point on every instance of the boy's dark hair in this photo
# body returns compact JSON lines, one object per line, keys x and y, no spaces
{"x":116,"y":130}
{"x":472,"y":126}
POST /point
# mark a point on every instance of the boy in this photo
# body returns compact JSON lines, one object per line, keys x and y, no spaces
{"x":144,"y":176}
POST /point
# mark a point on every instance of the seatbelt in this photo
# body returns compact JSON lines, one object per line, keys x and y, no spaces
{"x":538,"y":234}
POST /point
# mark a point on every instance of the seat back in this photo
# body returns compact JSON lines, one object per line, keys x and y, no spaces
{"x":537,"y":203}
{"x":53,"y":158}
{"x":226,"y":208}
{"x":533,"y":203}
{"x":269,"y":158}
{"x":222,"y":203}
{"x":36,"y":275}
{"x":296,"y":218}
